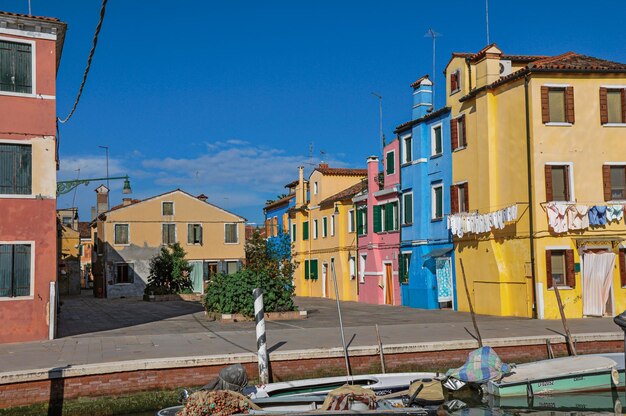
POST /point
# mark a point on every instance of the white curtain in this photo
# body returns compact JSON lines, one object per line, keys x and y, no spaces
{"x":597,"y":281}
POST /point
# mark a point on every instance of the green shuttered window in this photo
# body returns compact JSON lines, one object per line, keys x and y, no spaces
{"x":391,"y":163}
{"x":408,"y":209}
{"x":231,"y":235}
{"x":310,"y":269}
{"x":15,"y":270}
{"x":194,"y":234}
{"x":16,"y":67}
{"x":169,"y":233}
{"x":16,"y":169}
{"x":378,"y":223}
{"x":305,"y":230}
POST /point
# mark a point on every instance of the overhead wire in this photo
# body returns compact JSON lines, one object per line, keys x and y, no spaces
{"x":91,"y":54}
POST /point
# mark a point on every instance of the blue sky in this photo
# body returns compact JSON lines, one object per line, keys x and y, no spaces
{"x":225,"y":98}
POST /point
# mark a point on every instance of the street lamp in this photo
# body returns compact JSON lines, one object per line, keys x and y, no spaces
{"x":64,"y":187}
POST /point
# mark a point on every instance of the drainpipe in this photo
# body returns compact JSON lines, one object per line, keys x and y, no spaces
{"x":469,"y":70}
{"x":531,"y":237}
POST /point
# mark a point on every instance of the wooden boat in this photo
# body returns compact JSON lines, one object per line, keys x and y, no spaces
{"x":559,"y":375}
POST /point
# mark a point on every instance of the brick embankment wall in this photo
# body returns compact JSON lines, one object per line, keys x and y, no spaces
{"x":110,"y":380}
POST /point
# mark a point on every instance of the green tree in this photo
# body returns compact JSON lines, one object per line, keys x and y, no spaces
{"x":169,"y":272}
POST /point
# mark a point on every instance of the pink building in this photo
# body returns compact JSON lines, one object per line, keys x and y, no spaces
{"x":30,"y":51}
{"x":378,"y":227}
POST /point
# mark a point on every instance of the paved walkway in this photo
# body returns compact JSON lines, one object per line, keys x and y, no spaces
{"x":94,"y":331}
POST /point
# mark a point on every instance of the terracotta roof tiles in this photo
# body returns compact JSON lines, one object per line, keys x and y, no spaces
{"x":280,"y":201}
{"x":49,"y":19}
{"x":347,"y":193}
{"x":341,"y":171}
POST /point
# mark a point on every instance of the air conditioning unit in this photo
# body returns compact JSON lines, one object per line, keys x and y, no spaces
{"x":505,"y":68}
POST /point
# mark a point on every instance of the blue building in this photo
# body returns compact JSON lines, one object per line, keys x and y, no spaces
{"x":277,"y":218}
{"x":426,"y":250}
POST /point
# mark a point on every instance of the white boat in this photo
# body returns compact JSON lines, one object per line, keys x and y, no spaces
{"x":559,"y":375}
{"x":381,"y":384}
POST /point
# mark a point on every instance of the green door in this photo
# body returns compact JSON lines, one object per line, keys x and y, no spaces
{"x":196,"y":276}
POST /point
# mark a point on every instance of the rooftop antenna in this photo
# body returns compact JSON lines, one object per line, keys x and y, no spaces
{"x":29,"y":11}
{"x":487,"y":18}
{"x":380,"y":111}
{"x":322,"y":155}
{"x":434,"y":35}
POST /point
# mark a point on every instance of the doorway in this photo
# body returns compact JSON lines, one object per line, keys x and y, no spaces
{"x":388,"y":284}
{"x":325,"y":282}
{"x":443,"y":271}
{"x":597,"y":280}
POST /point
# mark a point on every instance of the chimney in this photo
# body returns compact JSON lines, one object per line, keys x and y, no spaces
{"x":126,"y":201}
{"x":93,"y":213}
{"x":202,"y":197}
{"x":487,"y":64}
{"x":372,"y":175}
{"x":422,"y":97}
{"x":102,"y":199}
{"x":300,"y":188}
{"x":323,"y":165}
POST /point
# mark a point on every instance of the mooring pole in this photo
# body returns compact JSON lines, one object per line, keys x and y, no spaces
{"x":261,"y":343}
{"x":620,"y":320}
{"x":471,"y":307}
{"x":571,"y":349}
{"x":343,"y":338}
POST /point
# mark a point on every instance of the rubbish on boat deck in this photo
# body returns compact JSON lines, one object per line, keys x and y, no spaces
{"x":350,"y":398}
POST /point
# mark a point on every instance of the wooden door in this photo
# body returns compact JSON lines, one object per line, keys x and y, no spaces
{"x":388,"y":284}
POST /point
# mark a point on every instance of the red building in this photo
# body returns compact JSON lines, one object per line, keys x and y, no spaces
{"x":30,"y":51}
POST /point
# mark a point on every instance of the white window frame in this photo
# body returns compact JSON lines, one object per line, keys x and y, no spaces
{"x":458,"y":196}
{"x":564,"y":286}
{"x":404,"y":253}
{"x":236,"y":232}
{"x":32,"y":271}
{"x":173,"y":208}
{"x":162,"y":224}
{"x":404,"y":148}
{"x":362,"y":262}
{"x":458,"y":136}
{"x":315,"y":188}
{"x":130,"y":267}
{"x":351,"y":221}
{"x":404,"y":207}
{"x":201,"y":232}
{"x":570,"y":173}
{"x":618,"y":164}
{"x":352,"y":267}
{"x":33,"y":67}
{"x":128,"y":225}
{"x":315,"y":232}
{"x":332,"y":225}
{"x":294,"y":229}
{"x":32,"y":173}
{"x":433,"y":205}
{"x":614,"y":87}
{"x":433,"y":147}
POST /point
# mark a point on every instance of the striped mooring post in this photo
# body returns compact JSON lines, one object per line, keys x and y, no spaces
{"x":259,"y":317}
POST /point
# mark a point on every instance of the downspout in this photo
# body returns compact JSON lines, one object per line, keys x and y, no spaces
{"x":531,"y":237}
{"x":469,"y":71}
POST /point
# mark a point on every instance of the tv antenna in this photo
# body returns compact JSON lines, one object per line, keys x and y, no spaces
{"x":487,"y":18}
{"x":434,"y":35}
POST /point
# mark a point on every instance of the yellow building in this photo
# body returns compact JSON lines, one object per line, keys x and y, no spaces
{"x":69,"y":253}
{"x":130,"y":234}
{"x":544,"y":135}
{"x":324,"y":232}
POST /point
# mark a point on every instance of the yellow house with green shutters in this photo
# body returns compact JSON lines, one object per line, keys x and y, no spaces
{"x":323,"y":232}
{"x":129,"y":235}
{"x":539,"y":152}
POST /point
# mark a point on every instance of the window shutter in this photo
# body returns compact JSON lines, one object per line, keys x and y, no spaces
{"x":388,"y":217}
{"x":454,"y":134}
{"x":454,"y":199}
{"x":408,"y":209}
{"x":606,"y":179}
{"x":314,"y":269}
{"x":567,"y":190}
{"x":305,"y":230}
{"x":463,"y":133}
{"x":604,"y":109}
{"x":623,"y":105}
{"x":164,"y":233}
{"x":359,"y":221}
{"x":548,"y":170}
{"x":190,"y":234}
{"x":6,"y":270}
{"x":390,"y":163}
{"x":377,"y":219}
{"x":570,"y":274}
{"x":545,"y":105}
{"x":306,"y":269}
{"x":402,"y":266}
{"x":466,"y":196}
{"x":21,"y":269}
{"x":622,"y":266}
{"x":569,"y":104}
{"x":549,"y":267}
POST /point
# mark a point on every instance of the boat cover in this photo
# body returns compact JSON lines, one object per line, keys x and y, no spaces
{"x":482,"y":365}
{"x":558,"y":368}
{"x":233,"y":378}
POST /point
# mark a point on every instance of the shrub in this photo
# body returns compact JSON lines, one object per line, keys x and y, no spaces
{"x":264,"y":269}
{"x":169,"y":272}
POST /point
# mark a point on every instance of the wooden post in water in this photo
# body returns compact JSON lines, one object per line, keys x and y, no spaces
{"x":380,"y":349}
{"x":469,"y":300}
{"x":571,"y":350}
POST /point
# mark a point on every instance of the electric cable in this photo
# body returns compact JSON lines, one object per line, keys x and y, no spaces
{"x":91,"y":54}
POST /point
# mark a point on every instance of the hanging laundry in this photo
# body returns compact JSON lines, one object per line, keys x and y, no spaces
{"x":614,"y":213}
{"x":557,"y":216}
{"x":597,"y":215}
{"x":577,"y":218}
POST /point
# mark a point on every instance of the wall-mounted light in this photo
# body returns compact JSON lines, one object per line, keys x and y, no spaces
{"x":336,"y":209}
